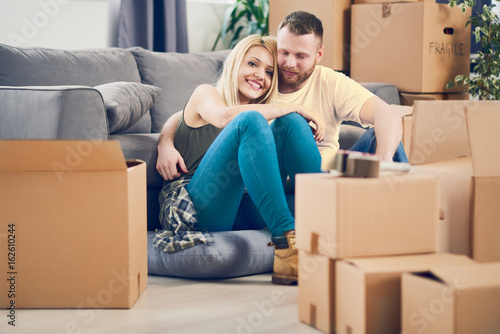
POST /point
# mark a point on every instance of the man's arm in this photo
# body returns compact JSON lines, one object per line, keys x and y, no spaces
{"x":387,"y":125}
{"x":168,"y":156}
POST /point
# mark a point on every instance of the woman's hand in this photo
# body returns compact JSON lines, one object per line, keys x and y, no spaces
{"x":312,"y":116}
{"x":170,"y":163}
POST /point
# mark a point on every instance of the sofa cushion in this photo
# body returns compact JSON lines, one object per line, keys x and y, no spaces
{"x":177,"y":74}
{"x":127,"y":102}
{"x":45,"y":67}
{"x":232,"y":254}
{"x":142,"y":146}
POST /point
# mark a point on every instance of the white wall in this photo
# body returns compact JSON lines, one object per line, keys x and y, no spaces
{"x":204,"y":20}
{"x":497,"y":8}
{"x":75,"y":24}
{"x":69,"y":24}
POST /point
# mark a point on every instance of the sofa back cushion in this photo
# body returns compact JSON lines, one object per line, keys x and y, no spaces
{"x":53,"y":67}
{"x":177,"y":74}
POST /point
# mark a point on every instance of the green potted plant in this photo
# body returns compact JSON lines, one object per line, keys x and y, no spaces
{"x":484,"y":81}
{"x":244,"y":16}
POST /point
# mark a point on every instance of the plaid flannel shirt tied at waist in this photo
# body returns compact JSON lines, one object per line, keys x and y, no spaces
{"x":178,"y":219}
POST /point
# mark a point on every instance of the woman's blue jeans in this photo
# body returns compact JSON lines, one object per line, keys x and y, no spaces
{"x":253,"y":155}
{"x":368,"y":143}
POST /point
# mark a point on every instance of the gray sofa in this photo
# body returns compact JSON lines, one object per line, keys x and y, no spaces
{"x":56,"y":94}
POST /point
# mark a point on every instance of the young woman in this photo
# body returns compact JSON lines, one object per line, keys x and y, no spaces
{"x":229,"y":148}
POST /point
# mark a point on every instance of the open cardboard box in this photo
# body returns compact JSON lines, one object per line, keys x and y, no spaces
{"x":73,"y":225}
{"x":463,"y":299}
{"x":458,"y":141}
{"x":353,"y":217}
{"x":368,"y":290}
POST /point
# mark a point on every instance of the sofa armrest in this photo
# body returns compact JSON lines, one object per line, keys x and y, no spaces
{"x":385,"y":91}
{"x":350,"y":131}
{"x":52,"y":112}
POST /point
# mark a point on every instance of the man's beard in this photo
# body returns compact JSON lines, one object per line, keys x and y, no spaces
{"x":297,"y":80}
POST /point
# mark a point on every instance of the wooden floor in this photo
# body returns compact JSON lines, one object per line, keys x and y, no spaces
{"x":242,"y":305}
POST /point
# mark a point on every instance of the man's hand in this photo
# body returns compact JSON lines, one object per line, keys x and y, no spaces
{"x":170,"y":163}
{"x":315,"y":118}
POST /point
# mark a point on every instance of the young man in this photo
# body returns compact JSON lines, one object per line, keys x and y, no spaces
{"x":332,"y":94}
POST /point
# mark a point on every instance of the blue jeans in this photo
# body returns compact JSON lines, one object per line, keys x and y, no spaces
{"x":253,"y":155}
{"x":368,"y":144}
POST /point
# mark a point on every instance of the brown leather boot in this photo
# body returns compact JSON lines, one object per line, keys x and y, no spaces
{"x":285,"y":268}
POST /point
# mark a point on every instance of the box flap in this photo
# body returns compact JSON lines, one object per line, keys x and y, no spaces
{"x":402,"y":110}
{"x":60,"y":155}
{"x":408,"y":99}
{"x":465,"y":277}
{"x":439,"y":131}
{"x":484,"y":137}
{"x":402,"y":263}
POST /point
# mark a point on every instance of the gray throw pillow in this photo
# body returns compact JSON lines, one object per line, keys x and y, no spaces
{"x":178,"y":74}
{"x":127,"y":102}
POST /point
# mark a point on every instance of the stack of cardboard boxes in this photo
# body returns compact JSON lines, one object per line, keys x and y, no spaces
{"x":375,"y":255}
{"x":457,"y":141}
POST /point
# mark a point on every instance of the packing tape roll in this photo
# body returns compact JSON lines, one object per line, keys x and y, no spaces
{"x":340,"y":161}
{"x":362,"y":166}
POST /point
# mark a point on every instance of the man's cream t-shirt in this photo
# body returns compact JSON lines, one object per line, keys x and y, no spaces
{"x":335,"y":97}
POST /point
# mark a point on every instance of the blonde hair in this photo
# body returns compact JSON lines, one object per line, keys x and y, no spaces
{"x":227,"y":84}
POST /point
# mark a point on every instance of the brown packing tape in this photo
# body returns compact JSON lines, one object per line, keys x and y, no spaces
{"x":340,"y":161}
{"x":359,"y":164}
{"x":386,"y":10}
{"x":362,"y":166}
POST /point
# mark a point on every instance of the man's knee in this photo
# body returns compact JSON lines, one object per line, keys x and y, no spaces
{"x":289,"y":120}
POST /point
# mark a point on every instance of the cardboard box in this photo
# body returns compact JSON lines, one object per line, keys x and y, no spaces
{"x":368,"y":291}
{"x":349,"y":217}
{"x":336,"y":18}
{"x":456,"y":183}
{"x":455,"y":300}
{"x":434,"y":48}
{"x":316,"y":297}
{"x":470,"y":185}
{"x":408,"y":99}
{"x":73,"y":225}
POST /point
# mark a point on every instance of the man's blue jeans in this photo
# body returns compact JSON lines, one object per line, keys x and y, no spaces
{"x":253,"y":155}
{"x":368,"y":144}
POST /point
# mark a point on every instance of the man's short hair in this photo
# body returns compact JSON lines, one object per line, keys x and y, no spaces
{"x":303,"y":23}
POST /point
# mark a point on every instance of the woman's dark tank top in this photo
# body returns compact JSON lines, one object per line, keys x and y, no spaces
{"x":193,"y":143}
